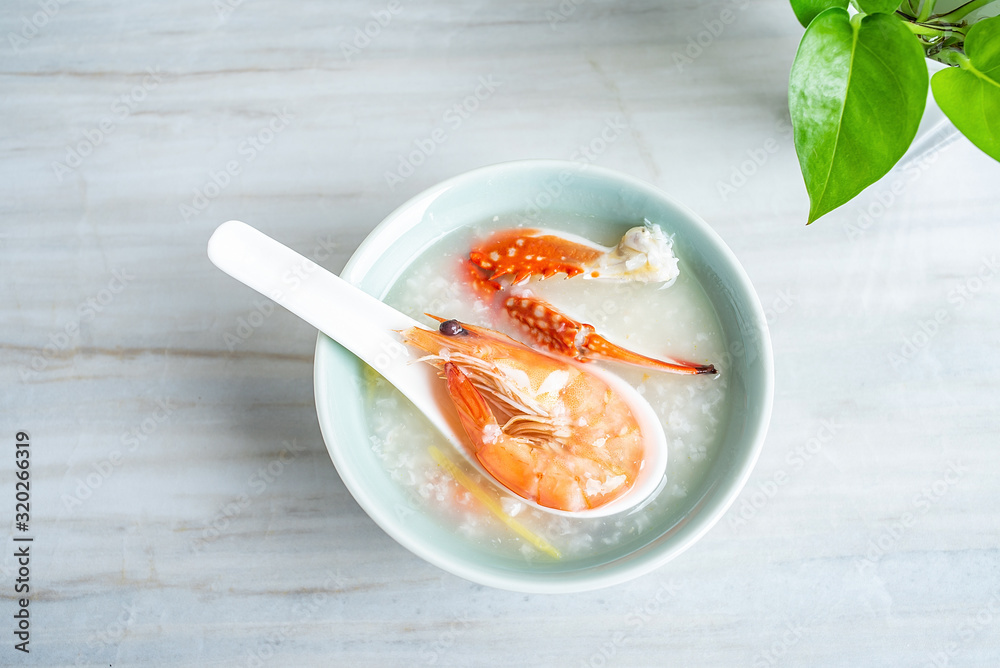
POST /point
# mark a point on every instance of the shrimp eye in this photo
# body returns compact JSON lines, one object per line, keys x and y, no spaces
{"x":451,"y":328}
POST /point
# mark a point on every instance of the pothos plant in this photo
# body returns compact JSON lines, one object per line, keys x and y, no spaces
{"x":858,"y":86}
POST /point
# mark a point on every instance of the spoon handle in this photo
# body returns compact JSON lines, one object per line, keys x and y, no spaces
{"x":361,"y":323}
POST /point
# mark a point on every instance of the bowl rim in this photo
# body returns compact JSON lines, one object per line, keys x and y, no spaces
{"x":631,"y":565}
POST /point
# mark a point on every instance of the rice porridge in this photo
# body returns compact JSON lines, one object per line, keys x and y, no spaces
{"x":675,"y":322}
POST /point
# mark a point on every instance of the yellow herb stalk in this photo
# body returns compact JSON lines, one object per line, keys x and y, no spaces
{"x":492,"y":504}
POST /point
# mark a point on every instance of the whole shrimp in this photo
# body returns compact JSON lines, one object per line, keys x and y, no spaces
{"x":546,"y":428}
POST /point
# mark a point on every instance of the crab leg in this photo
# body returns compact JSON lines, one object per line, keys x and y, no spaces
{"x":555,"y":331}
{"x":559,"y":333}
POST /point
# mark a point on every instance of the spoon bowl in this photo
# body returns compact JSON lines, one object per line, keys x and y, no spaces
{"x":369,"y":329}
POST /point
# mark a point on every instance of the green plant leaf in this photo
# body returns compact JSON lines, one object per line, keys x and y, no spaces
{"x":970,"y":95}
{"x":878,"y":6}
{"x":807,"y":10}
{"x":856,"y":94}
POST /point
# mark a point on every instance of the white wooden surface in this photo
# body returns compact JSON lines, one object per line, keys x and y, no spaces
{"x":867,"y":536}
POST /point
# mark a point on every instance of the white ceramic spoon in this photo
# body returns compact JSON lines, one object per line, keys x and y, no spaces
{"x":369,"y":329}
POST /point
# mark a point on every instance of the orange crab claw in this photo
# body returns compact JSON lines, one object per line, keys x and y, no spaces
{"x":525,"y":253}
{"x":561,"y":334}
{"x":484,"y":288}
{"x":596,"y":346}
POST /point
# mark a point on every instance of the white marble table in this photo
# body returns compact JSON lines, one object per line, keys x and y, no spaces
{"x":184,"y":509}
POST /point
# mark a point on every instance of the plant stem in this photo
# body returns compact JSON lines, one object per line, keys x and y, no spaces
{"x":962,"y":11}
{"x":926,"y":7}
{"x":934,"y":30}
{"x":963,"y":60}
{"x":952,"y":56}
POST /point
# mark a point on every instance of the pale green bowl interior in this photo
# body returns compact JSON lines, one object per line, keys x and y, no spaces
{"x":601,"y":197}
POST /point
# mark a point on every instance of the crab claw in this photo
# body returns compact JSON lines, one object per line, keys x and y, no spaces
{"x":596,"y":346}
{"x":525,"y":253}
{"x":644,"y":254}
{"x":484,"y":288}
{"x":561,"y":334}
